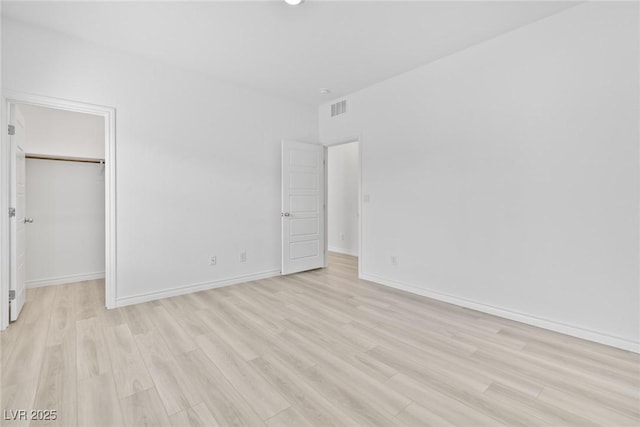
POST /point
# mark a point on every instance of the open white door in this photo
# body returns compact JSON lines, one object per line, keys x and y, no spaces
{"x":303,"y":207}
{"x":18,"y":236}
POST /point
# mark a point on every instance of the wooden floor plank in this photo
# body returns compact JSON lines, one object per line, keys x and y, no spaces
{"x":289,"y":381}
{"x":129,"y":371}
{"x":144,"y":408}
{"x":198,"y":416}
{"x":39,"y":305}
{"x":136,"y":319}
{"x":264,"y":398}
{"x":175,"y":392}
{"x":92,"y":353}
{"x":98,"y":403}
{"x":416,"y":415}
{"x":17,"y":397}
{"x":57,"y":386}
{"x":289,"y":417}
{"x":170,"y":330}
{"x":63,"y":315}
{"x":25,"y":360}
{"x":440,"y":404}
{"x":223,"y":400}
{"x":89,"y":299}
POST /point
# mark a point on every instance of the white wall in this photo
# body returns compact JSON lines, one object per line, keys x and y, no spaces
{"x":63,"y":133}
{"x":343,"y":198}
{"x":65,"y":243}
{"x":198,"y":160}
{"x":505,"y":177}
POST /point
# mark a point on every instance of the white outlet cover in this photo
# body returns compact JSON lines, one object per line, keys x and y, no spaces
{"x":367,"y":198}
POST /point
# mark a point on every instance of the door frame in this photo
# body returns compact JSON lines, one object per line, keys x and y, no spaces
{"x":109,"y":114}
{"x":327,"y":145}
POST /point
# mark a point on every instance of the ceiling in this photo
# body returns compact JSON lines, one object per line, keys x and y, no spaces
{"x":285,"y":50}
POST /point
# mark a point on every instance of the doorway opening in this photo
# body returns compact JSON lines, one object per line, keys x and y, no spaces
{"x":62,"y":185}
{"x":343,"y":204}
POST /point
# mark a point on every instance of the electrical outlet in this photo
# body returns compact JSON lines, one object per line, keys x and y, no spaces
{"x":243,"y":257}
{"x":394,"y":260}
{"x":341,"y":236}
{"x":366,"y":198}
{"x":213,"y":260}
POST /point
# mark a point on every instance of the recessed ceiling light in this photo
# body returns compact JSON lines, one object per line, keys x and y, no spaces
{"x":324,"y":91}
{"x":293,"y":2}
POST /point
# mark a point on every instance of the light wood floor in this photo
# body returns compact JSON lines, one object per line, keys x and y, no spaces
{"x":317,"y":348}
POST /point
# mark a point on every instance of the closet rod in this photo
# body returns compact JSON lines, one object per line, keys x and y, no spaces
{"x":64,"y":158}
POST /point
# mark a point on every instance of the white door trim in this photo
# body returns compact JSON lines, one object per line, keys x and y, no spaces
{"x":333,"y":143}
{"x":109,"y":115}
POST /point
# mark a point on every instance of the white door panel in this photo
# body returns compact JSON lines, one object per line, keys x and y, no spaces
{"x":18,"y":233}
{"x":302,"y":206}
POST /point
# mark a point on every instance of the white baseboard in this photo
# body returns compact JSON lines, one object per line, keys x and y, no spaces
{"x":563,"y":328}
{"x":64,"y":279}
{"x":342,"y":251}
{"x":152,"y":296}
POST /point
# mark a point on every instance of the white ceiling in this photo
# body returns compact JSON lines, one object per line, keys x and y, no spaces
{"x":289,"y":51}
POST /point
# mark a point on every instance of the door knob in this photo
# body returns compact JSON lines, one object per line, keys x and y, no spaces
{"x":28,"y":220}
{"x":286,"y":214}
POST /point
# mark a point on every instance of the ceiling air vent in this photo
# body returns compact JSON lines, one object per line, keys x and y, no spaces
{"x":338,"y":108}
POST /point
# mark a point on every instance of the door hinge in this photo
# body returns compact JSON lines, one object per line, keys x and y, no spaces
{"x":12,"y":212}
{"x":12,"y":130}
{"x":12,"y":295}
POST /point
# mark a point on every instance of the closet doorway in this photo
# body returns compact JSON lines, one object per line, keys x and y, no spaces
{"x":60,"y":160}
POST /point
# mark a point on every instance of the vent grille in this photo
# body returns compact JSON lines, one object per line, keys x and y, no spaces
{"x":338,"y":108}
